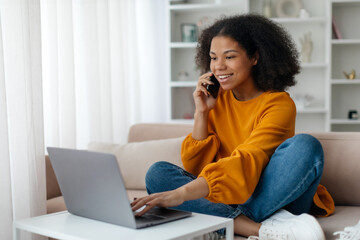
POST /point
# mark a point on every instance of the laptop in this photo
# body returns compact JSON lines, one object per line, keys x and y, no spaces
{"x":92,"y":187}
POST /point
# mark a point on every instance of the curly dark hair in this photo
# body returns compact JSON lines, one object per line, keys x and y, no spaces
{"x":278,"y":58}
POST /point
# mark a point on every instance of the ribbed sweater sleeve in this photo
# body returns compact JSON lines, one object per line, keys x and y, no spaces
{"x":197,"y":154}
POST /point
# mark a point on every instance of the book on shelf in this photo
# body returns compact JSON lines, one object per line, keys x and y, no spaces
{"x":336,"y":30}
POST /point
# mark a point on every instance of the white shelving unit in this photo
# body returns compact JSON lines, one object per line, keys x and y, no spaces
{"x":321,"y":78}
{"x":313,"y":79}
{"x":181,"y":55}
{"x":345,"y":55}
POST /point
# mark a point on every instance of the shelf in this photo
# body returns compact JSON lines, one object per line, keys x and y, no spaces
{"x":314,"y":65}
{"x":202,"y":7}
{"x":321,"y":20}
{"x":312,"y":110}
{"x":183,"y":44}
{"x":183,"y":83}
{"x":347,"y":3}
{"x":345,"y":121}
{"x":345,"y":81}
{"x":345,"y":41}
{"x":182,"y":121}
{"x":316,"y":116}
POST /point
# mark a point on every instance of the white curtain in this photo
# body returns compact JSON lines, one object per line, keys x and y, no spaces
{"x":103,"y":68}
{"x":22,"y":165}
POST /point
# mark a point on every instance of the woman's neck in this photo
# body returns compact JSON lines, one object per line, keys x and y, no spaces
{"x":246,"y":94}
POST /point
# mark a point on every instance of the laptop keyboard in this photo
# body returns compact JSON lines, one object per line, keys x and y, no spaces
{"x":149,"y":217}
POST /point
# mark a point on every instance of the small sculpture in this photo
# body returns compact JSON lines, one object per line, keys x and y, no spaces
{"x":351,"y":75}
{"x":306,"y":48}
{"x":183,"y":76}
{"x":203,"y":23}
{"x":288,"y":8}
{"x":267,"y":8}
{"x":303,"y":101}
{"x":304,"y":14}
{"x":353,"y":114}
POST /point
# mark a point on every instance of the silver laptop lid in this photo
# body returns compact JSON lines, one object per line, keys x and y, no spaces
{"x":92,"y":188}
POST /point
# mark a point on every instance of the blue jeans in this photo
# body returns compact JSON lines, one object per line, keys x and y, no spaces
{"x":289,"y":181}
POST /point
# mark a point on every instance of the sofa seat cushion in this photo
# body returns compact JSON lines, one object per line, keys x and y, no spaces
{"x":56,"y":204}
{"x":343,"y":216}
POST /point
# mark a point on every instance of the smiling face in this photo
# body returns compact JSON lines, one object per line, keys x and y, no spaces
{"x":232,"y":67}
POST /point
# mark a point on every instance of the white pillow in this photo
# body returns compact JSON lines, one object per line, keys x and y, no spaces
{"x":135,"y":158}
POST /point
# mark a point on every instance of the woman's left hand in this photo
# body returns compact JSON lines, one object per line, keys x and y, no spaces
{"x":164,"y":199}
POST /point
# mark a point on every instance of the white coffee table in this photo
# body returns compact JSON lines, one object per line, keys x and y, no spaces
{"x":64,"y":225}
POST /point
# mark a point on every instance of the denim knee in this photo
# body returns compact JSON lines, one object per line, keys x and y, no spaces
{"x":310,"y":148}
{"x":307,"y":140}
{"x":155,"y":172}
{"x":309,"y":143}
{"x":293,"y":172}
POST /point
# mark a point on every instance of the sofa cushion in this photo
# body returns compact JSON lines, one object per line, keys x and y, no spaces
{"x":341,"y":174}
{"x":155,"y":131}
{"x":344,"y":216}
{"x":52,"y":186}
{"x":135,"y":158}
{"x":56,"y":204}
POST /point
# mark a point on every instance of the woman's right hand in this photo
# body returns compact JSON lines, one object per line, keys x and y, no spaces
{"x":193,"y":190}
{"x":204,"y":102}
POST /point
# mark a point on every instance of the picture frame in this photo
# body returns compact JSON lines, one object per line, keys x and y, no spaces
{"x":189,"y":32}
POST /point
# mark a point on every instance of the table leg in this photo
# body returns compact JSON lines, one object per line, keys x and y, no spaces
{"x":16,"y":233}
{"x":230,"y":231}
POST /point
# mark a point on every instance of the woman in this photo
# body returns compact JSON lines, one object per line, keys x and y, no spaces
{"x":242,"y":159}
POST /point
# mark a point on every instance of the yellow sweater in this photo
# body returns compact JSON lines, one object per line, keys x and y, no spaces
{"x":243,"y":135}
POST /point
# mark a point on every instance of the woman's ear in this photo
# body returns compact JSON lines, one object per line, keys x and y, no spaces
{"x":256,"y":58}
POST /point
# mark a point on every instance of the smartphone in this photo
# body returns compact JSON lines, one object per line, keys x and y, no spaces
{"x":214,"y":88}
